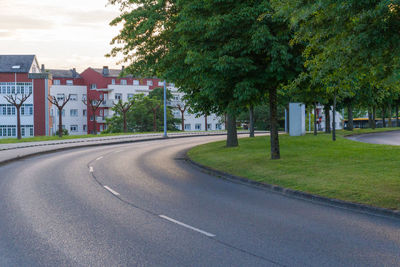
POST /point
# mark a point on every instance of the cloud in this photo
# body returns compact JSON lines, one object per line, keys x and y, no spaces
{"x":11,"y":23}
{"x":88,"y":18}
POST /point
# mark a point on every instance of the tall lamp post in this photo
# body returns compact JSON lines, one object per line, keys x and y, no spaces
{"x":165,"y":109}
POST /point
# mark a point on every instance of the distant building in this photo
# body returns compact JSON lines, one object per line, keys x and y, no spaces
{"x":20,"y":74}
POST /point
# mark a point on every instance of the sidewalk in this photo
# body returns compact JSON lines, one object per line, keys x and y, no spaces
{"x":14,"y":151}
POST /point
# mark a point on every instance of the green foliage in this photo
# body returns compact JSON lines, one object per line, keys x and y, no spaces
{"x":64,"y":132}
{"x":140,"y":117}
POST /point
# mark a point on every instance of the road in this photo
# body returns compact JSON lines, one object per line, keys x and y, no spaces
{"x":141,"y":204}
{"x":384,"y":138}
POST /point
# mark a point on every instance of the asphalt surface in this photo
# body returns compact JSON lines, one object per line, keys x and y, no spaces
{"x":141,"y":204}
{"x":384,"y":138}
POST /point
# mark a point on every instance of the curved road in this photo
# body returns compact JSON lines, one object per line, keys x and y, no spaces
{"x":383,"y":138}
{"x":141,"y":204}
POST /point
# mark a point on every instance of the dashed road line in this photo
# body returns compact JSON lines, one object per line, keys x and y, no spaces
{"x":91,"y":170}
{"x":99,"y":158}
{"x":112,"y":191}
{"x":187,"y":226}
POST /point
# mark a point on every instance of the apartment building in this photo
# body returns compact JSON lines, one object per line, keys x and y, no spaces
{"x":20,"y":76}
{"x":74,"y":115}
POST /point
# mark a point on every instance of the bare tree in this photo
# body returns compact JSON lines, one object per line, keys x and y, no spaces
{"x":60,"y":106}
{"x":94,"y":105}
{"x":182,"y":108}
{"x":123,"y":108}
{"x":17,"y":102}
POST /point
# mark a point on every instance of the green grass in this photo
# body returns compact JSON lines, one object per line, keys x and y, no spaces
{"x":345,"y":169}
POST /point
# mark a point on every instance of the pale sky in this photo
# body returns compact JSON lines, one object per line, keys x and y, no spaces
{"x":63,"y":34}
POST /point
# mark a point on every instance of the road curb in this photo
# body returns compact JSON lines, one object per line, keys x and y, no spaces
{"x":87,"y":144}
{"x":362,"y":208}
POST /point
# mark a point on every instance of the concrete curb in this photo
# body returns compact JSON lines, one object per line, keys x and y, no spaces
{"x":297,"y":194}
{"x":77,"y":145}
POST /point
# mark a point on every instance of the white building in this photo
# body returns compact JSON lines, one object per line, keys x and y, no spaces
{"x":74,"y":114}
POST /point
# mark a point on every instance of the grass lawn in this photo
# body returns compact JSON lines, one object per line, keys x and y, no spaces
{"x":345,"y":169}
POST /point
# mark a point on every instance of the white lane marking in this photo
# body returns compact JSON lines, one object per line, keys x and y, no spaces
{"x":112,"y":191}
{"x":99,"y":158}
{"x":187,"y":226}
{"x":91,"y":169}
{"x":118,"y":151}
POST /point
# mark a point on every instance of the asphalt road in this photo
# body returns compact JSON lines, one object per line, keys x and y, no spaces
{"x":384,"y":138}
{"x":140,"y":204}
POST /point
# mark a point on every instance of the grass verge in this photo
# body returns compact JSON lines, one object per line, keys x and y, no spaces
{"x":345,"y":169}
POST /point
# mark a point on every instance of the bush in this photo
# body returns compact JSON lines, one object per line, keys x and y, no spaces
{"x":64,"y":132}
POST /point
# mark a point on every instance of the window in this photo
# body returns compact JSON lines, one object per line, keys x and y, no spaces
{"x":23,"y":131}
{"x":60,"y":97}
{"x":188,"y":127}
{"x":56,"y":82}
{"x":130,"y":96}
{"x":62,"y":114}
{"x":150,"y":83}
{"x":93,"y":86}
{"x":101,"y":113}
{"x":160,"y":83}
{"x":176,"y":97}
{"x":113,"y":81}
{"x":197,"y":126}
{"x":70,"y":82}
{"x":218,"y":126}
{"x":73,"y":113}
{"x":73,"y":128}
{"x":118,"y":96}
{"x":31,"y":131}
{"x":84,"y":97}
{"x":84,"y":113}
{"x":91,"y":118}
{"x":136,"y":82}
{"x":73,"y":97}
{"x":124,"y":82}
{"x":209,"y":126}
{"x":101,"y":127}
{"x":84,"y":128}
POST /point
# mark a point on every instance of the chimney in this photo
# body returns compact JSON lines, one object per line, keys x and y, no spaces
{"x":74,"y":73}
{"x":106,"y":71}
{"x":43,"y":68}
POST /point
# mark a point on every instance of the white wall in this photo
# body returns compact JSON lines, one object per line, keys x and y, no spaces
{"x":67,"y":120}
{"x":10,"y":121}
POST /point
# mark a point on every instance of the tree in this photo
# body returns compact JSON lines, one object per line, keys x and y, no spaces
{"x":17,"y":102}
{"x":94,"y":105}
{"x":219,"y":64}
{"x":182,"y":108}
{"x":60,"y":106}
{"x":123,"y":108}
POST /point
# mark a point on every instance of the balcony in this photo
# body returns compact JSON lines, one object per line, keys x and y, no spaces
{"x":107,"y":104}
{"x":102,"y":119}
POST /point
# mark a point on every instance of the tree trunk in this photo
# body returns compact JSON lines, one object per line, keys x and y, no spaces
{"x":183,"y":121}
{"x":95,"y":125}
{"x":370,"y":118}
{"x":315,"y":118}
{"x":327,"y":109}
{"x":397,"y":114}
{"x":374,"y":117}
{"x":125,"y":126}
{"x":232,"y":140}
{"x":383,"y":116}
{"x":390,"y":115}
{"x":205,"y":121}
{"x":251,"y":126}
{"x":334,"y":118}
{"x":350,"y":123}
{"x":19,"y":136}
{"x":288,"y":118}
{"x":273,"y":106}
{"x":60,"y":129}
{"x":154,"y":121}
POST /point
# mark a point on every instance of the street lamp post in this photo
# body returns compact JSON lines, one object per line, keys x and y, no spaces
{"x":165,"y":109}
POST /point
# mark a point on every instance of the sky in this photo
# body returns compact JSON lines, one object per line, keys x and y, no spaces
{"x":63,"y":34}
